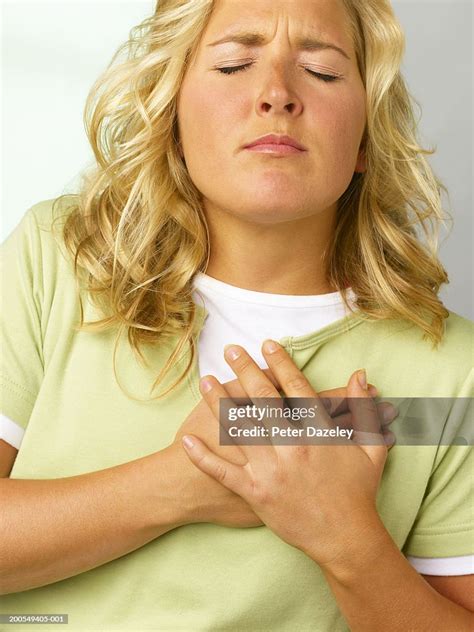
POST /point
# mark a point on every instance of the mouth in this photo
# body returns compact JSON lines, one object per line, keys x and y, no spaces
{"x":270,"y":148}
{"x":276,"y":144}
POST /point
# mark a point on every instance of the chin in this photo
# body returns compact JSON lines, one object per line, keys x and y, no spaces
{"x":268,"y":214}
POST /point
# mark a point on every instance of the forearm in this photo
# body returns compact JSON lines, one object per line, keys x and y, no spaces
{"x":57,"y":528}
{"x":377,"y":589}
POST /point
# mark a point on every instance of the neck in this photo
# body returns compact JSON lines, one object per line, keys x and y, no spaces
{"x":281,"y":258}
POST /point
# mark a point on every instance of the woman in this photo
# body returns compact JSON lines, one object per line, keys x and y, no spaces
{"x":309,"y":237}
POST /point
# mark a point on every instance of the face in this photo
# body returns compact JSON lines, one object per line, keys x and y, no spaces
{"x":237,"y":91}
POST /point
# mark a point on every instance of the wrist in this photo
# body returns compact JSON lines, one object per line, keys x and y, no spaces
{"x":362,"y":545}
{"x":169,"y":504}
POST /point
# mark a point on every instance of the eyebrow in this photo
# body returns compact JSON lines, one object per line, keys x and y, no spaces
{"x":257,"y":39}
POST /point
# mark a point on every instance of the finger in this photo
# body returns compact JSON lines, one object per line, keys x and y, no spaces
{"x":367,"y":426}
{"x":383,"y":408}
{"x":294,"y":382}
{"x":254,"y":381}
{"x":213,"y":392}
{"x":386,"y":413}
{"x":237,"y":391}
{"x":389,"y":438}
{"x":335,"y":400}
{"x":341,"y":392}
{"x":228,"y":474}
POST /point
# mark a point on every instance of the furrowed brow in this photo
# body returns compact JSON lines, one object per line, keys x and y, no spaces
{"x":257,"y":39}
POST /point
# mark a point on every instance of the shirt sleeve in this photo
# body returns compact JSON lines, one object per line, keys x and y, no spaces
{"x":443,"y":566}
{"x":21,"y":357}
{"x":11,"y":432}
{"x":444,"y":526}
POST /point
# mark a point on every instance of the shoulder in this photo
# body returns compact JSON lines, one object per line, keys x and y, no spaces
{"x":455,"y":353}
{"x":45,"y":221}
{"x":47,"y":213}
{"x":459,"y":331}
{"x":36,"y":250}
{"x":414,"y":362}
{"x":402,"y":335}
{"x":456,"y":346}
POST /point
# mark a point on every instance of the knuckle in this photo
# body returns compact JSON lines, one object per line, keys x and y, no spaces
{"x":261,"y":494}
{"x":264,"y":391}
{"x":387,"y":412}
{"x":265,"y":491}
{"x":220,"y":472}
{"x":243,"y":363}
{"x":297,"y":382}
{"x":279,"y":357}
{"x":366,"y":406}
{"x":213,"y":397}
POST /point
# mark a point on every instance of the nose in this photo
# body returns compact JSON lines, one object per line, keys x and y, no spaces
{"x":277,"y":96}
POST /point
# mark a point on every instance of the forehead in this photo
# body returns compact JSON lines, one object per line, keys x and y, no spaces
{"x":296,"y":17}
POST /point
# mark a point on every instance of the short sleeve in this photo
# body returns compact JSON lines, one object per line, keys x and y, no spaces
{"x":444,"y":525}
{"x":21,"y":349}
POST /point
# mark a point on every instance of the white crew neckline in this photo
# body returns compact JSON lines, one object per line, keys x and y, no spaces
{"x":204,"y":281}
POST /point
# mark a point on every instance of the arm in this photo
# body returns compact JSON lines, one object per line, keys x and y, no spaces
{"x":377,"y":589}
{"x":54,"y":529}
{"x":375,"y":586}
{"x":8,"y":455}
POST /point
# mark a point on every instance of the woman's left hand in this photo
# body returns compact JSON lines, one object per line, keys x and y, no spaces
{"x":318,"y":498}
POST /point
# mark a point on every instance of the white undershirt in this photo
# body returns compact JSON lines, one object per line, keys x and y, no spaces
{"x":247,"y":318}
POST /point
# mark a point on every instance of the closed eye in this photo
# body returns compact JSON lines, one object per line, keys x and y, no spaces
{"x":230,"y":70}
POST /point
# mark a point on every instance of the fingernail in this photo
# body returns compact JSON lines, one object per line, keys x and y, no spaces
{"x":270,"y":346}
{"x":389,"y":413}
{"x":362,"y":378}
{"x":231,"y":352}
{"x":205,"y":384}
{"x":187,"y":442}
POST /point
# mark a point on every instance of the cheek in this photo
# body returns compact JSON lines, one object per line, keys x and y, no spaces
{"x":341,"y":123}
{"x":212,"y":119}
{"x":215,"y":120}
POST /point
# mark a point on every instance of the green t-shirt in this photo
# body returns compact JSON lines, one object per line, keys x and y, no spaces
{"x":59,"y":385}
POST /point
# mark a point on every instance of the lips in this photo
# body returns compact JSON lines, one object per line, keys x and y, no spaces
{"x":275,"y":139}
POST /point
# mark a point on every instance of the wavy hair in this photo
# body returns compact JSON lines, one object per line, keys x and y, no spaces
{"x":137,"y":231}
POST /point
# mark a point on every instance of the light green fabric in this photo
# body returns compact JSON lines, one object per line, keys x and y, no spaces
{"x":59,"y":385}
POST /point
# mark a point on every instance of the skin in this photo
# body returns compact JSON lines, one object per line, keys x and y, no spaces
{"x":282,"y":481}
{"x":206,"y":500}
{"x":286,"y":486}
{"x":288,"y":207}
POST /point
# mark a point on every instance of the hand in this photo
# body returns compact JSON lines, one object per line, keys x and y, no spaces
{"x":203,"y":499}
{"x":335,"y":402}
{"x":304,"y":493}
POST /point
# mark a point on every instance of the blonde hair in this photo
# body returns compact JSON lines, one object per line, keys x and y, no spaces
{"x":137,"y":230}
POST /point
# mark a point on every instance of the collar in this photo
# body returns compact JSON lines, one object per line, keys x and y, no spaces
{"x":291,"y":343}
